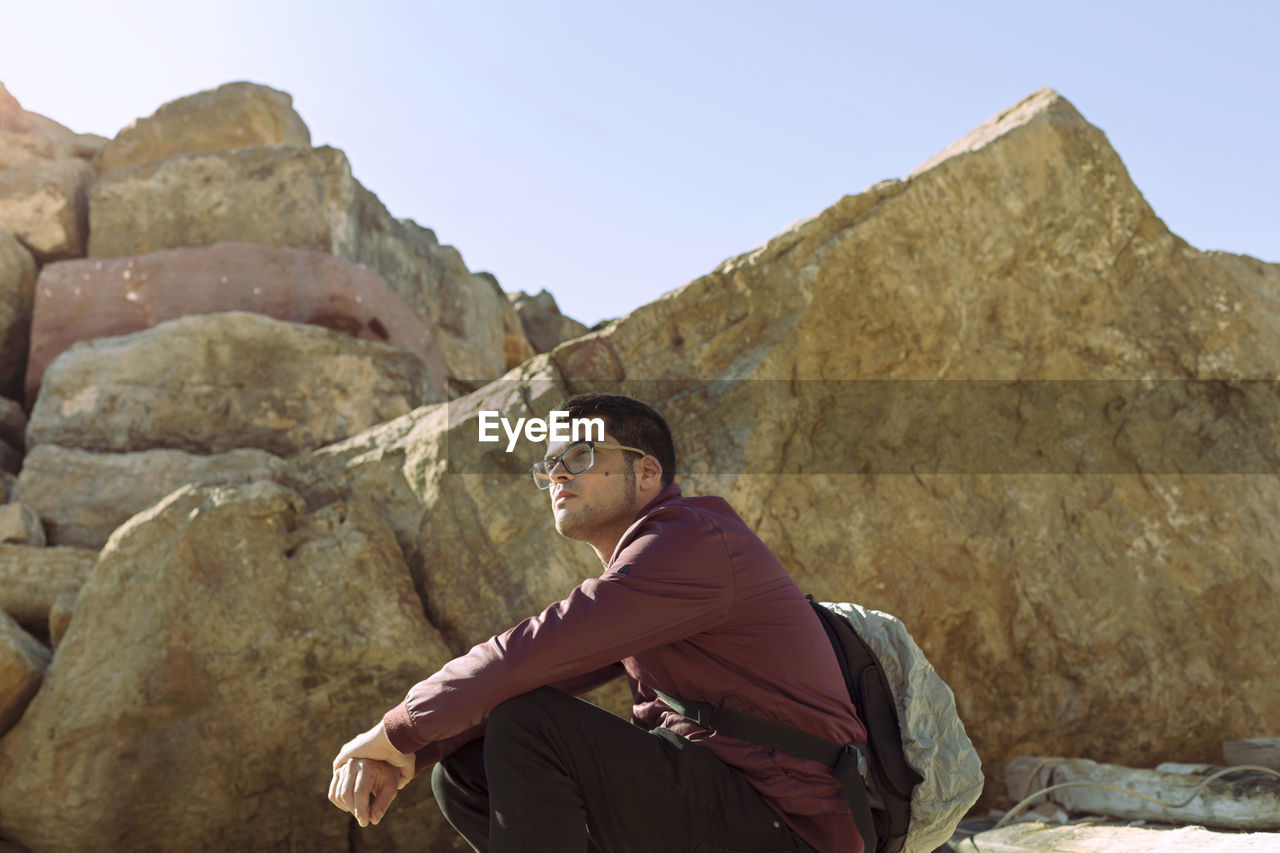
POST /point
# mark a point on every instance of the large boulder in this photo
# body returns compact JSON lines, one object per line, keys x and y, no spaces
{"x":216,"y":382}
{"x":1048,"y":520}
{"x":23,"y":661}
{"x":225,"y":646}
{"x":81,"y":300}
{"x":17,"y":293}
{"x":234,"y":115}
{"x":82,"y":497}
{"x":32,"y":579}
{"x":307,"y":199}
{"x":544,"y":325}
{"x":45,"y":205}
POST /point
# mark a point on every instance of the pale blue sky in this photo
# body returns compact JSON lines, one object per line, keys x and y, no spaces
{"x":610,"y":152}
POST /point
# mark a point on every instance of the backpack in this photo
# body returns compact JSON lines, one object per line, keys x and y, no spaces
{"x":918,"y":774}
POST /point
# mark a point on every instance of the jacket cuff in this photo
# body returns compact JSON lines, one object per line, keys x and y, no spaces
{"x":400,"y":731}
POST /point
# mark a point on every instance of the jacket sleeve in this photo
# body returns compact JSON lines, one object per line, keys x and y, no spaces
{"x":672,"y":579}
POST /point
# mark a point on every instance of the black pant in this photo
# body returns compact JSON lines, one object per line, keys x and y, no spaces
{"x":555,"y":773}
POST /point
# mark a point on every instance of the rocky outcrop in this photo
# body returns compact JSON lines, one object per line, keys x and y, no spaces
{"x":17,"y":290}
{"x":83,"y":300}
{"x":45,"y":205}
{"x":249,"y":639}
{"x":1026,"y":270}
{"x":26,"y":137}
{"x":32,"y":579}
{"x":20,"y":525}
{"x":23,"y":661}
{"x":235,"y":115}
{"x":217,"y":382}
{"x":82,"y":497}
{"x":544,"y":325}
{"x":307,"y":199}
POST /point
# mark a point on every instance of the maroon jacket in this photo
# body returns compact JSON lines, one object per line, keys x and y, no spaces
{"x":691,"y":603}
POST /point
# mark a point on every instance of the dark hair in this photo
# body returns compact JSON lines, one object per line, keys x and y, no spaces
{"x":630,"y":422}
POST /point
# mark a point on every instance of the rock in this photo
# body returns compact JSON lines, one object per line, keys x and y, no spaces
{"x":8,"y":482}
{"x":26,"y":137}
{"x":17,"y":292}
{"x":304,"y":199}
{"x":219,"y":656}
{"x":81,"y":300}
{"x":409,"y":468}
{"x":23,"y":661}
{"x":32,"y":578}
{"x":60,"y":613}
{"x":20,"y":525}
{"x":800,"y":379}
{"x":234,"y":115}
{"x":216,"y":382}
{"x":1036,"y":837}
{"x":544,"y":325}
{"x":13,"y":423}
{"x":45,"y":206}
{"x":82,"y":497}
{"x":10,"y":458}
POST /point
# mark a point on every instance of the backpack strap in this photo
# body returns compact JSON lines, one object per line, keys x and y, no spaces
{"x":844,"y":759}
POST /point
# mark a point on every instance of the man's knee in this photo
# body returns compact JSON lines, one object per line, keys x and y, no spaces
{"x":527,"y":710}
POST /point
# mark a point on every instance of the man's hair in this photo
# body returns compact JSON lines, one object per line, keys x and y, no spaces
{"x":630,"y":422}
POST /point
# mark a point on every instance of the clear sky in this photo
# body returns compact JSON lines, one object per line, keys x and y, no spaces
{"x":610,"y":152}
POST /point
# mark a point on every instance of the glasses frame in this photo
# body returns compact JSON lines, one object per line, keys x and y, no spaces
{"x":551,"y":462}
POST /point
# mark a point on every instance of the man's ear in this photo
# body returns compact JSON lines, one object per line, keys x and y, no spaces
{"x":651,"y":473}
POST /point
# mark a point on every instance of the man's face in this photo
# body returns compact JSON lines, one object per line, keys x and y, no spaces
{"x":597,"y":501}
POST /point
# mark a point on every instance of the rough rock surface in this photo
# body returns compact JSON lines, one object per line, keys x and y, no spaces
{"x":81,"y":300}
{"x":217,"y":382}
{"x":1056,"y":606}
{"x":544,"y":325}
{"x":31,"y":579}
{"x":82,"y":497}
{"x":305,"y":199}
{"x":45,"y":206}
{"x":234,"y":115}
{"x":219,"y":655}
{"x":17,"y":291}
{"x":26,"y":137}
{"x":23,"y":661}
{"x":20,"y":525}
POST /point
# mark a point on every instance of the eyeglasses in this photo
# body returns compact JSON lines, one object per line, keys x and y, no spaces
{"x":576,"y":458}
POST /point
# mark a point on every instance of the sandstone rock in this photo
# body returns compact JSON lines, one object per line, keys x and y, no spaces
{"x":31,"y":579}
{"x":26,"y":136}
{"x":217,"y":382}
{"x":83,"y":497}
{"x":85,"y":299}
{"x":20,"y":525}
{"x":60,"y":613}
{"x":305,"y":199}
{"x":17,"y":289}
{"x":45,"y":206}
{"x":800,"y":379}
{"x":234,"y":115}
{"x":13,"y":423}
{"x":544,"y":325}
{"x":219,"y":656}
{"x":8,"y":482}
{"x":23,"y":661}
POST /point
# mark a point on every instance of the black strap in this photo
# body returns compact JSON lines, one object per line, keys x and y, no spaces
{"x":844,"y":759}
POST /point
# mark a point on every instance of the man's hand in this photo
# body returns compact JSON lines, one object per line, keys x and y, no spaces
{"x":360,"y":779}
{"x":374,"y":744}
{"x":369,"y":766}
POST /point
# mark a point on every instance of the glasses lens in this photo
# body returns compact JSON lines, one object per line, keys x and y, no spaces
{"x":575,"y":460}
{"x":578,"y":458}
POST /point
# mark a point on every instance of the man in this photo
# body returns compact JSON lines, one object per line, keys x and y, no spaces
{"x":691,"y":603}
